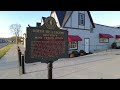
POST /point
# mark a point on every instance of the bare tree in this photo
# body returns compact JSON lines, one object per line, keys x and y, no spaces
{"x":16,"y":29}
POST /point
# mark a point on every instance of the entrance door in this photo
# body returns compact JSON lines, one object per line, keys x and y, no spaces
{"x":87,"y":45}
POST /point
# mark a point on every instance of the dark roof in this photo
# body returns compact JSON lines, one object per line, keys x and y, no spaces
{"x":91,"y":19}
{"x":43,"y":19}
{"x":61,"y":15}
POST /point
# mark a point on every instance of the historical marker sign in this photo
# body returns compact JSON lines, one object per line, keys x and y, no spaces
{"x":46,"y":43}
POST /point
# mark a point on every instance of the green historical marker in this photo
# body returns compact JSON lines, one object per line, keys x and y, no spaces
{"x":47,"y":43}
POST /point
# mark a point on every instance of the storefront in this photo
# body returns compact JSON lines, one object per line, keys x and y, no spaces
{"x":104,"y":38}
{"x":83,"y":33}
{"x":118,"y":40}
{"x":73,"y":42}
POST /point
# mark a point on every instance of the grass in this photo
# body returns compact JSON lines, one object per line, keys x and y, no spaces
{"x":4,"y":50}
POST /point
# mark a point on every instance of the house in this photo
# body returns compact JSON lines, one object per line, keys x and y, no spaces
{"x":83,"y":33}
{"x":24,"y":39}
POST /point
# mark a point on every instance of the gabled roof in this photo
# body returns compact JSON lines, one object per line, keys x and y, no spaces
{"x":63,"y":16}
{"x":67,"y":16}
{"x":60,"y":15}
{"x":43,"y":19}
{"x":91,"y":19}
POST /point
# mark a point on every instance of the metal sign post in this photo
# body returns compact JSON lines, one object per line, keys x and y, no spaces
{"x":19,"y":61}
{"x":50,"y":66}
{"x":46,"y":44}
{"x":22,"y":62}
{"x":20,"y":58}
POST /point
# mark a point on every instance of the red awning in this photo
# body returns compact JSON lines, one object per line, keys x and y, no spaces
{"x":105,"y":36}
{"x":74,"y":38}
{"x":117,"y":36}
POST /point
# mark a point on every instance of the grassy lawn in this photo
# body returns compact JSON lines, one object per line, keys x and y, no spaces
{"x":4,"y":50}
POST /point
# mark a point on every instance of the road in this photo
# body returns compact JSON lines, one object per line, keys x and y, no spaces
{"x":102,"y":65}
{"x":3,"y":44}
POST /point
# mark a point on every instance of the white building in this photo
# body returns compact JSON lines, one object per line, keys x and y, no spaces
{"x":24,"y":39}
{"x":84,"y":34}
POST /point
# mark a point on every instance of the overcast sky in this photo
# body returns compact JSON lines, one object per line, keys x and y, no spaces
{"x":110,"y":18}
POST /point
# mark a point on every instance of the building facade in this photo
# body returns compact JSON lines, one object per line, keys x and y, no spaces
{"x":83,"y":33}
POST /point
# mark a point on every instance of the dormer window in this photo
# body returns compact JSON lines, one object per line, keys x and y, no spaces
{"x":81,"y":19}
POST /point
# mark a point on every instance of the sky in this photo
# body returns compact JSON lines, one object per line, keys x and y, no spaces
{"x":19,"y":17}
{"x":109,"y":18}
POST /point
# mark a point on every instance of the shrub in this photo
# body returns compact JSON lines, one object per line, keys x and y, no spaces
{"x":114,"y":45}
{"x":118,"y":47}
{"x":90,"y":52}
{"x":82,"y":52}
{"x":76,"y":54}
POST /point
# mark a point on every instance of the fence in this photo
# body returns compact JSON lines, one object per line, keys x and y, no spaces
{"x":21,"y":62}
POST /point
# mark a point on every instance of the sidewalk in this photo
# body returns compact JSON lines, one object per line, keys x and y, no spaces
{"x":95,"y":66}
{"x":9,"y":63}
{"x":22,"y":48}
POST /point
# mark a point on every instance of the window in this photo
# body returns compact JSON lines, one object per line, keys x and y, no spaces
{"x":104,"y":40}
{"x":118,"y":40}
{"x":73,"y":45}
{"x":81,"y":19}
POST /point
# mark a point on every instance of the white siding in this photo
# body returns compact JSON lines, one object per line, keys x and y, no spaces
{"x":73,"y":20}
{"x":56,"y":19}
{"x":94,"y":37}
{"x":105,"y":30}
{"x":24,"y":35}
{"x":83,"y":34}
{"x":42,"y":22}
{"x":87,"y":21}
{"x":69,"y":22}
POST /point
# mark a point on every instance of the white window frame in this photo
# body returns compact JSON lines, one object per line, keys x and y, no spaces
{"x":104,"y":40}
{"x":73,"y":45}
{"x":81,"y":19}
{"x":118,"y":40}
